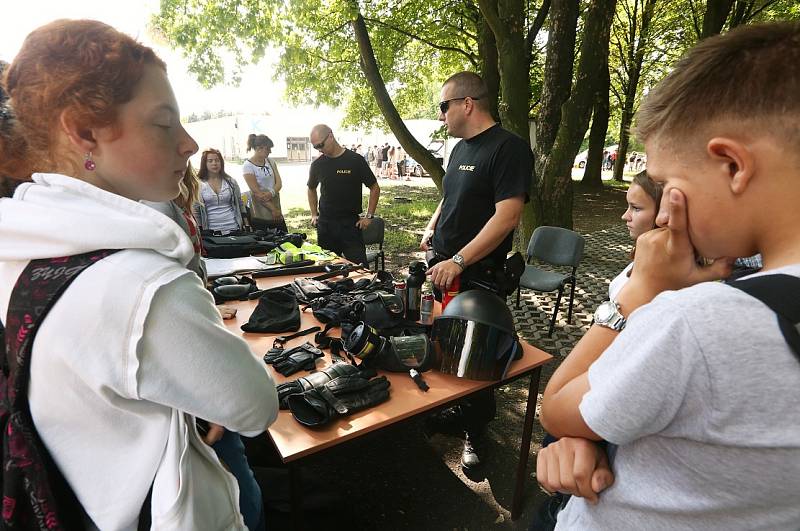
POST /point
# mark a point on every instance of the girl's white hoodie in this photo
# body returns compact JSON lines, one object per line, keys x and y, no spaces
{"x":128,"y":356}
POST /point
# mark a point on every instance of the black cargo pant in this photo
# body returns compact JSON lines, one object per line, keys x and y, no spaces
{"x":479,"y":409}
{"x":340,"y":235}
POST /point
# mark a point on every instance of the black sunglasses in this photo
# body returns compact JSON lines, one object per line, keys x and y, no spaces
{"x":444,"y":106}
{"x":321,"y":144}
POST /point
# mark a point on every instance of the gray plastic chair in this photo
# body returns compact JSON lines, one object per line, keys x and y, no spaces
{"x":556,"y":246}
{"x":374,"y":235}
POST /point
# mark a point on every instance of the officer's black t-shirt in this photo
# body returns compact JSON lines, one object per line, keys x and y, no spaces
{"x":341,"y":180}
{"x":483,"y":170}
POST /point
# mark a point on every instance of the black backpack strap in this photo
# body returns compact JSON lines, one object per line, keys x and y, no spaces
{"x":35,"y":494}
{"x":782,"y":294}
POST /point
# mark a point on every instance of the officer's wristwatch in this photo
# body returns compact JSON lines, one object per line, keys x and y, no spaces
{"x":607,"y":314}
{"x":369,"y":216}
{"x":459,"y":261}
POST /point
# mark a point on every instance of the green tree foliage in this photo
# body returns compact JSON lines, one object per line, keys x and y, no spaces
{"x":382,"y":59}
{"x":416,"y":44}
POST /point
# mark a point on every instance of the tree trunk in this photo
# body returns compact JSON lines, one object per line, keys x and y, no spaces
{"x":636,"y":60}
{"x":556,"y":190}
{"x":557,"y":75}
{"x":371,"y":71}
{"x":487,"y":49}
{"x":624,"y":141}
{"x":593,"y":172}
{"x":555,"y":91}
{"x":506,"y":19}
{"x":714,"y":19}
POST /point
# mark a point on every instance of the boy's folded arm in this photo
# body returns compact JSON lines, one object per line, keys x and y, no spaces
{"x":560,"y":415}
{"x":640,"y":382}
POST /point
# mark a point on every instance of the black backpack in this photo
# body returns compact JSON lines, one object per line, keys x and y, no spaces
{"x":35,"y":493}
{"x":781,"y":293}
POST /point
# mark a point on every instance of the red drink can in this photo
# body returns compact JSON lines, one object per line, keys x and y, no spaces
{"x":452,"y":291}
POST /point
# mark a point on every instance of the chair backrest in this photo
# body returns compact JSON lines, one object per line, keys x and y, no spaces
{"x":557,"y":246}
{"x":374,"y":233}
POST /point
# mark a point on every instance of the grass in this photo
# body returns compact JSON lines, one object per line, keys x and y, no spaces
{"x":407,"y":208}
{"x":617,"y":184}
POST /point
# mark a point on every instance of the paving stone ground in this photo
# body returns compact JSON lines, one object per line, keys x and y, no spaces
{"x":607,"y":252}
{"x":399,"y":479}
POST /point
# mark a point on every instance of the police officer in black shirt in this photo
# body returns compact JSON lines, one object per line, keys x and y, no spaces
{"x":335,"y":214}
{"x":484,"y":190}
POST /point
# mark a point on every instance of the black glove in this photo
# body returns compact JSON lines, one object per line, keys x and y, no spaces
{"x":292,"y":360}
{"x":274,"y":354}
{"x":341,"y":396}
{"x":317,"y":379}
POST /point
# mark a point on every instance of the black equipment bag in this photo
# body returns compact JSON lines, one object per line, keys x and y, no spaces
{"x":243,"y":243}
{"x":377,"y":308}
{"x":235,"y":246}
{"x":781,"y":293}
{"x":35,"y":493}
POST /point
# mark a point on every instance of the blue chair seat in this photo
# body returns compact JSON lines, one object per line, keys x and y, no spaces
{"x":541,"y":280}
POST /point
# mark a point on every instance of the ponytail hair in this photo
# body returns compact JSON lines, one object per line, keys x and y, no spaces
{"x":256,"y":141}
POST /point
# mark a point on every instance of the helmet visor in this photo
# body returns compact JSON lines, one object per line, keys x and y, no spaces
{"x":473,"y":350}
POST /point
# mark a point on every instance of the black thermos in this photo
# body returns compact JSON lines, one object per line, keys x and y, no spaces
{"x":414,"y":282}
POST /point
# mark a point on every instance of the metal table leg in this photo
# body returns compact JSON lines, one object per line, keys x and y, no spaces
{"x":525,"y":448}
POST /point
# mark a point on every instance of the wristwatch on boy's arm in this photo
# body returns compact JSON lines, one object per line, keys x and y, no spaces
{"x":608,"y":315}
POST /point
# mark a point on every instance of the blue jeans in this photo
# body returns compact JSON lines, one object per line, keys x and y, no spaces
{"x":230,"y":450}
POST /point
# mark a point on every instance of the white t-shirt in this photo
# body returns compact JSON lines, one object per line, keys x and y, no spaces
{"x":619,"y":281}
{"x":700,"y":392}
{"x":264,"y":175}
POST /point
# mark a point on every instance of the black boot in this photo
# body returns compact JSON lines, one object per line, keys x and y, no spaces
{"x":469,"y":456}
{"x":449,"y":421}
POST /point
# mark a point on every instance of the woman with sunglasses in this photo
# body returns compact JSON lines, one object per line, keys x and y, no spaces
{"x":262,"y":177}
{"x":220,"y":204}
{"x":134,"y":350}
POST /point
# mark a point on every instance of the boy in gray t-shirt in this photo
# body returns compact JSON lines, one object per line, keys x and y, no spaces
{"x":699,"y":391}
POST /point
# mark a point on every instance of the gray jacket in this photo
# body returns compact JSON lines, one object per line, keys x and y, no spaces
{"x":199,"y":208}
